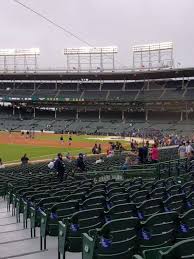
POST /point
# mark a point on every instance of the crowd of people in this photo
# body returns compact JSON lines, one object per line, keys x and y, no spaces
{"x":186,"y":150}
{"x":58,"y":165}
{"x":138,"y":154}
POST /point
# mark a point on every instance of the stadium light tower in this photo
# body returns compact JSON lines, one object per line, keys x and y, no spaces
{"x":90,"y":58}
{"x":153,"y":56}
{"x":12,"y":60}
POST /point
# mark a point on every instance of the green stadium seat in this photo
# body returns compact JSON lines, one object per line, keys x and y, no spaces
{"x":158,"y":230}
{"x":134,"y":188}
{"x":95,"y":202}
{"x":181,"y":250}
{"x":173,"y":190}
{"x":116,"y":239}
{"x":174,"y":203}
{"x":187,"y":187}
{"x":125,"y":210}
{"x":71,"y":230}
{"x":115,"y":191}
{"x":189,"y":202}
{"x":147,"y":186}
{"x":118,"y":199}
{"x":49,"y":220}
{"x":139,"y":197}
{"x":34,"y":212}
{"x":159,"y":192}
{"x":95,"y":193}
{"x":79,"y":196}
{"x":149,"y":208}
{"x":185,"y":228}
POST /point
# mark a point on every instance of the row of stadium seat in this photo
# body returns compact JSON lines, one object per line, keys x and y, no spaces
{"x":85,"y":202}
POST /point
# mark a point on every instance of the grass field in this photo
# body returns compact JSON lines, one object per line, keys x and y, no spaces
{"x":46,"y":146}
{"x":13,"y":153}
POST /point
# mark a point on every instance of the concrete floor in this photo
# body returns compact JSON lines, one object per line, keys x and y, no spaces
{"x":15,"y":242}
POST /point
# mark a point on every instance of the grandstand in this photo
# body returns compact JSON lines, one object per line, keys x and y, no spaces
{"x":104,"y":213}
{"x":91,"y":102}
{"x":96,"y":156}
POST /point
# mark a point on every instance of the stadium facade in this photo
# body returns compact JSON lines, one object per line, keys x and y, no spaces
{"x":98,"y":102}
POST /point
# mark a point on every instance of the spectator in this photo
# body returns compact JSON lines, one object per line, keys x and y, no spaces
{"x":127,"y":163}
{"x":113,"y":146}
{"x":24,"y":160}
{"x":68,"y":157}
{"x":143,"y":154}
{"x":99,"y":149}
{"x":95,"y":149}
{"x":146,"y":151}
{"x":191,"y":156}
{"x":51,"y":164}
{"x":60,"y":167}
{"x":154,"y":154}
{"x":80,"y":163}
{"x":117,"y":146}
{"x":191,"y":162}
{"x":110,"y":153}
{"x":133,"y":146}
{"x":188,"y":148}
{"x":182,"y":150}
{"x":99,"y":161}
{"x":1,"y":164}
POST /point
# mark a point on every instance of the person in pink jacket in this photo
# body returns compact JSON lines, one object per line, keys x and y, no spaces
{"x":154,"y":154}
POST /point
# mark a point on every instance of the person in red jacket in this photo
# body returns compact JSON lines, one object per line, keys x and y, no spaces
{"x":154,"y":154}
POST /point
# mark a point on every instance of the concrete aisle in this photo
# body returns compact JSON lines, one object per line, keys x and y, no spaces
{"x":15,"y":242}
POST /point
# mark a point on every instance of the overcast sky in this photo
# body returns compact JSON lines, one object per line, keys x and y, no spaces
{"x":102,"y":23}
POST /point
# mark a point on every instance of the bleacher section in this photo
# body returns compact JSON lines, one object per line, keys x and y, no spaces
{"x":145,"y":212}
{"x":159,"y":90}
{"x":89,"y":102}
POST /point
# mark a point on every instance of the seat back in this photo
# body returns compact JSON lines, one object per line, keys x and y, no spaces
{"x":185,"y":228}
{"x":174,"y":203}
{"x":148,"y":208}
{"x":158,"y":230}
{"x":116,"y":239}
{"x":139,"y":197}
{"x":183,"y":249}
{"x":124,"y":210}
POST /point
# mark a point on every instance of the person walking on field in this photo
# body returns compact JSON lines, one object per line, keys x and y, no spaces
{"x":61,"y":140}
{"x":70,"y":140}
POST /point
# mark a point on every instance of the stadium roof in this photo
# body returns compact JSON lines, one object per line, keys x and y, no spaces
{"x":116,"y":75}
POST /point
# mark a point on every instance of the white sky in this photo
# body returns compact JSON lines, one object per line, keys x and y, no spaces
{"x":102,"y":23}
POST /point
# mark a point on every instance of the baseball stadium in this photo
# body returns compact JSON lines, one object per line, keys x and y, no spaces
{"x":96,"y":159}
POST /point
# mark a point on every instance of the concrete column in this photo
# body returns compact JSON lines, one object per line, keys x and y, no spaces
{"x":123,"y":115}
{"x":77,"y":115}
{"x":13,"y":110}
{"x":55,"y":113}
{"x":187,"y":115}
{"x":146,"y":115}
{"x":181,"y":119}
{"x":34,"y":115}
{"x":99,"y":114}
